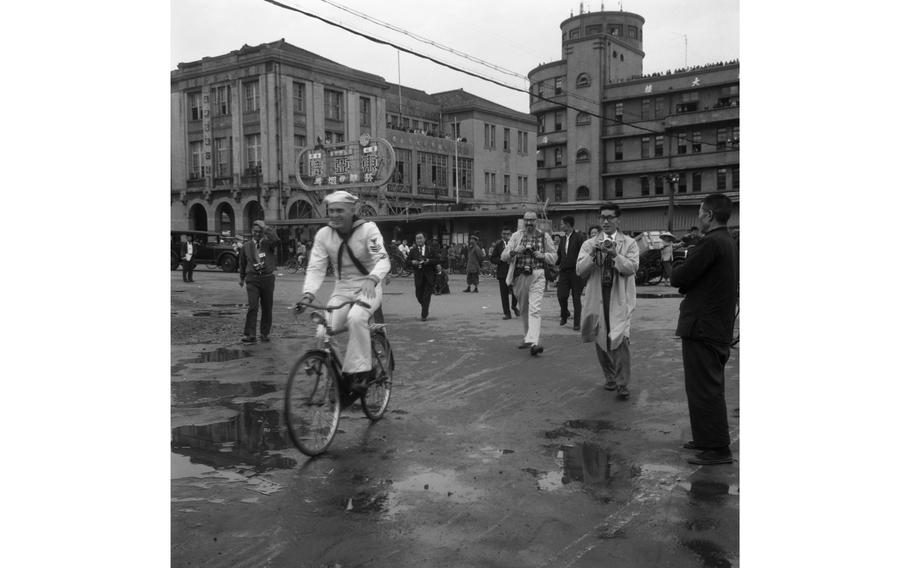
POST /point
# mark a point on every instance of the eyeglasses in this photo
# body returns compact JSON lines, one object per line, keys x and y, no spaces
{"x":609,"y":217}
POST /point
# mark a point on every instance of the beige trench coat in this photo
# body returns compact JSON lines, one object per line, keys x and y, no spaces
{"x":622,"y":298}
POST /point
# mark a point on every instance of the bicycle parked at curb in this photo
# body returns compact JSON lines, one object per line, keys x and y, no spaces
{"x":316,"y":393}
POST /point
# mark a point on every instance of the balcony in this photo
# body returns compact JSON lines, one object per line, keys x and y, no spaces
{"x":698,"y":118}
{"x":555,"y":172}
{"x":195,"y":183}
{"x":555,"y":138}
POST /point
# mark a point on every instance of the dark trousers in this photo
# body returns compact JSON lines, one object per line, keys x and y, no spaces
{"x":187,"y":268}
{"x":569,"y":282}
{"x":703,"y":364}
{"x":423,"y":289}
{"x":505,"y":291}
{"x":260,"y":290}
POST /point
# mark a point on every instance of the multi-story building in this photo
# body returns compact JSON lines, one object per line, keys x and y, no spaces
{"x":654,"y":144}
{"x":239,"y":121}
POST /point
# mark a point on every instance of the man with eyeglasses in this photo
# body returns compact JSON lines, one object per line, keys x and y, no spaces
{"x":527,"y":251}
{"x":608,"y":261}
{"x":502,"y":272}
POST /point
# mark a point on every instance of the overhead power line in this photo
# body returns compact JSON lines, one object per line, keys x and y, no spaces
{"x":473,"y":74}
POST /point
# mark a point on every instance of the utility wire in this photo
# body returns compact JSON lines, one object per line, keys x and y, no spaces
{"x":473,"y":74}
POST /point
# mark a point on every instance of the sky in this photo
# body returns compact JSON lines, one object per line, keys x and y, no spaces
{"x":674,"y":33}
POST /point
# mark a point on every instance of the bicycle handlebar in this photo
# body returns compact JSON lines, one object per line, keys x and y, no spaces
{"x":299,"y":307}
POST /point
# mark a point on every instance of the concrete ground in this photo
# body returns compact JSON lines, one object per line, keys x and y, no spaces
{"x":486,"y":457}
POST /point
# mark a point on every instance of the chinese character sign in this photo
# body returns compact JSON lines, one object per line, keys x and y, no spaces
{"x":368,"y":162}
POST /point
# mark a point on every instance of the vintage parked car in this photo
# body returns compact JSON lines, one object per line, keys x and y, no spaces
{"x":212,"y":249}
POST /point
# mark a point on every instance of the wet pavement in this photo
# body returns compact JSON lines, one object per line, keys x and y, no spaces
{"x":486,"y":457}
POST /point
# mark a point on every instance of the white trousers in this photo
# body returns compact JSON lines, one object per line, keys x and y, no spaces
{"x":529,"y":291}
{"x":358,"y":356}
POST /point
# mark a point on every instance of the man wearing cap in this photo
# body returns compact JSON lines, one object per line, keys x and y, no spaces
{"x":356,"y":249}
{"x":473,"y":260}
{"x":257,"y":272}
{"x":527,"y":251}
{"x":608,"y":261}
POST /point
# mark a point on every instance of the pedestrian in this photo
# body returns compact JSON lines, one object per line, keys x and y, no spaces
{"x":666,"y":255}
{"x":608,"y":261}
{"x":527,"y":251}
{"x":357,"y":249}
{"x":506,"y":293}
{"x":569,"y":282}
{"x":257,"y":272}
{"x":403,"y":248}
{"x":301,"y":254}
{"x":592,"y":231}
{"x":187,"y":253}
{"x":423,"y":259}
{"x":708,"y":280}
{"x":473,"y":262}
{"x":442,"y":281}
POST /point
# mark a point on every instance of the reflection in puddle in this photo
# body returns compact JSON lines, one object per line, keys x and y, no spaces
{"x":712,"y":556}
{"x":394,"y":497}
{"x":190,"y":392}
{"x":705,"y":490}
{"x":221,"y":354}
{"x":216,"y":313}
{"x":586,"y":462}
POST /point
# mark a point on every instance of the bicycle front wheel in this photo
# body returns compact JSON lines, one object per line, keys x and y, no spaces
{"x":379,"y":391}
{"x":312,"y":406}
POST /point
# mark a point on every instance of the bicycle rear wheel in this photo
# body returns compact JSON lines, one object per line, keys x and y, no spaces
{"x":312,"y":406}
{"x":379,"y":391}
{"x":292,"y":266}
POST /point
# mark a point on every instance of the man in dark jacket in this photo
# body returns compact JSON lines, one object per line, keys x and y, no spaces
{"x":422,"y":259}
{"x":502,"y":271}
{"x":187,"y":253}
{"x":708,"y":279}
{"x":257,"y":272}
{"x":569,"y":281}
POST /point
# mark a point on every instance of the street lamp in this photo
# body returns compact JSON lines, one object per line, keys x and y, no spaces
{"x":673,"y":178}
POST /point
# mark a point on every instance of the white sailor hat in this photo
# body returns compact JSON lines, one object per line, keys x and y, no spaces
{"x":340,"y":196}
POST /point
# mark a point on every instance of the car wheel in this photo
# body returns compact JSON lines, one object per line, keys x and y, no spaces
{"x":228,"y":263}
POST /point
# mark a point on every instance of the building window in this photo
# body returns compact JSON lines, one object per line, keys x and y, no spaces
{"x":489,"y":136}
{"x":559,"y":118}
{"x":558,"y":155}
{"x":645,"y":185}
{"x":681,"y":186}
{"x":365,"y":118}
{"x":523,"y":185}
{"x":617,"y":187}
{"x":464,"y":173}
{"x":222,"y":105}
{"x":582,"y":155}
{"x":402,"y":173}
{"x":558,"y":87}
{"x":456,"y":130}
{"x":522,"y":142}
{"x":582,"y":193}
{"x":633,"y":32}
{"x":299,"y":146}
{"x":735,"y":179}
{"x":541,"y":192}
{"x":583,"y":80}
{"x":195,"y":106}
{"x":618,"y":112}
{"x":506,"y":139}
{"x":681,"y":144}
{"x":658,"y":185}
{"x":506,"y":184}
{"x":195,"y":160}
{"x":251,"y":96}
{"x":729,"y":96}
{"x":253,"y":153}
{"x":222,"y":157}
{"x":540,"y":159}
{"x":334,"y":105}
{"x":658,"y":146}
{"x":722,"y":180}
{"x":617,"y":150}
{"x":615,"y":30}
{"x":721,"y":139}
{"x":696,"y":181}
{"x":646,"y":109}
{"x":573,"y":34}
{"x":645,"y":147}
{"x":736,"y":137}
{"x":557,"y":193}
{"x":541,"y":125}
{"x":696,"y":141}
{"x":333,"y":137}
{"x":486,"y":182}
{"x":431,"y":169}
{"x":299,"y":97}
{"x":689,"y":103}
{"x":658,"y":108}
{"x":594,"y":30}
{"x":582,"y":118}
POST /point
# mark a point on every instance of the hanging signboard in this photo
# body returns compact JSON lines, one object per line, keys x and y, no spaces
{"x":368,"y":162}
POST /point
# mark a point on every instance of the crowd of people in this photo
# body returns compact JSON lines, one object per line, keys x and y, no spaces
{"x":679,"y":70}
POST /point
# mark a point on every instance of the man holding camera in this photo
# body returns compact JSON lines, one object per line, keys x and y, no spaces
{"x":257,"y":272}
{"x":527,"y":252}
{"x":609,"y":261}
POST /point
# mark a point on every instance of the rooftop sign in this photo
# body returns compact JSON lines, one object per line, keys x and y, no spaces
{"x":368,"y":162}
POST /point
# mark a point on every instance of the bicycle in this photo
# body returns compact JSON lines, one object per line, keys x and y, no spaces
{"x":316,"y":394}
{"x":293,"y":266}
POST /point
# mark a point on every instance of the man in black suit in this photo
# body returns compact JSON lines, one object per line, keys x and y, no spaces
{"x":423,"y":257}
{"x":708,"y":278}
{"x":187,"y":252}
{"x":569,"y":281}
{"x":502,"y":271}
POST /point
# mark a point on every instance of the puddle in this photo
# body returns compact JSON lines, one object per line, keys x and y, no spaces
{"x":195,"y":392}
{"x":712,"y":556}
{"x":251,"y":437}
{"x":394,"y":497}
{"x":228,"y":305}
{"x":220,"y":355}
{"x":595,"y":425}
{"x":217,"y":313}
{"x":710,"y":491}
{"x":587,"y":463}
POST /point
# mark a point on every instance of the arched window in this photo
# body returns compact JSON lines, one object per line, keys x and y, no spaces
{"x":583,"y":80}
{"x":582,"y":193}
{"x":300,"y":209}
{"x":582,"y":118}
{"x":582,"y":155}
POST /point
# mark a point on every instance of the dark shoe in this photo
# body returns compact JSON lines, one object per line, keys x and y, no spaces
{"x":691,"y":445}
{"x":265,"y":338}
{"x":535,"y":349}
{"x":507,"y":317}
{"x":610,"y":385}
{"x":712,"y":457}
{"x":562,"y":320}
{"x":248,"y":339}
{"x":517,"y":312}
{"x":622,"y":392}
{"x":475,"y":290}
{"x":467,"y":289}
{"x":576,"y":327}
{"x":423,"y":318}
{"x":359,"y":382}
{"x":524,"y":345}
